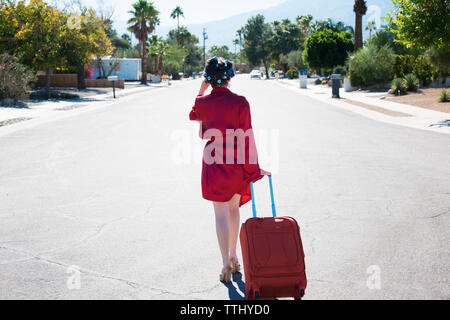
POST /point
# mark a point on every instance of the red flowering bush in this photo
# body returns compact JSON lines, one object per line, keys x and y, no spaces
{"x":89,"y":72}
{"x":15,"y":78}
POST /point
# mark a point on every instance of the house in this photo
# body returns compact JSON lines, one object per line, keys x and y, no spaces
{"x":127,"y":69}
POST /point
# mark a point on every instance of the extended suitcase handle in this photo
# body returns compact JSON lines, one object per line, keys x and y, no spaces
{"x":274,"y":212}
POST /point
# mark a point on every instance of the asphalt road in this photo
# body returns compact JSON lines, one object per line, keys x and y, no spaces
{"x":107,"y":204}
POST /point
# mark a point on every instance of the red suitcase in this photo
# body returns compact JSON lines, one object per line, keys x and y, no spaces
{"x":272,"y":252}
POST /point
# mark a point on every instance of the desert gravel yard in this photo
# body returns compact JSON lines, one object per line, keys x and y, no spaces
{"x":425,"y":98}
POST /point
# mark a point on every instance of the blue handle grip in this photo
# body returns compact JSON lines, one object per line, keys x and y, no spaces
{"x":274,"y":212}
{"x":253,"y":200}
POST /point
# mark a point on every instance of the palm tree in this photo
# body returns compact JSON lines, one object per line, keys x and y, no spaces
{"x":370,"y":27}
{"x":152,"y":44}
{"x":176,"y":13}
{"x":126,"y":37}
{"x":217,"y":51}
{"x":236,"y":43}
{"x":162,"y":50}
{"x":305,"y":23}
{"x":143,"y":22}
{"x":339,"y":26}
{"x":360,"y":10}
{"x":159,"y":49}
{"x":240,"y":34}
{"x":182,"y":36}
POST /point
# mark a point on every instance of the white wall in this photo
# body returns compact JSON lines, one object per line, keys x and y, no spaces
{"x":130,"y":69}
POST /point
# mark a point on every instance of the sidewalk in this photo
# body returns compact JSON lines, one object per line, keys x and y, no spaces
{"x":371,"y":106}
{"x":41,"y":110}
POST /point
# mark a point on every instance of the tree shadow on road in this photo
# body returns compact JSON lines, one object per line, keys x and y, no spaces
{"x":13,"y":104}
{"x":233,"y":292}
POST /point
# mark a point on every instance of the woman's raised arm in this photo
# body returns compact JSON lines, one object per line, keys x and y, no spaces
{"x":203,"y":88}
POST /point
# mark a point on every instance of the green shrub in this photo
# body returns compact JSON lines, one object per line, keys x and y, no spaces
{"x":403,"y":65}
{"x":412,"y":83}
{"x":355,"y":77}
{"x":420,"y":67}
{"x":423,"y":70}
{"x":15,"y":78}
{"x":342,"y":70}
{"x":440,"y":60}
{"x":292,"y":73}
{"x":384,"y":36}
{"x":295,"y":59}
{"x":371,"y":66}
{"x":327,"y":49}
{"x":398,"y":86}
{"x":173,"y":68}
{"x":444,"y":96}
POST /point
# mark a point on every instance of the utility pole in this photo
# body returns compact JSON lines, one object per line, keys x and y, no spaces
{"x":205,"y":37}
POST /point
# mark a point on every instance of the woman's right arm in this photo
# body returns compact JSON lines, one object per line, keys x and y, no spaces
{"x":195,"y":114}
{"x":203,"y":88}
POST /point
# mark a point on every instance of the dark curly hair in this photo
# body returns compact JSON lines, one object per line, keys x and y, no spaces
{"x":218,"y":71}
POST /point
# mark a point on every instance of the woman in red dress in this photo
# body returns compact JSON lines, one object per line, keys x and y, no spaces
{"x":230,"y":158}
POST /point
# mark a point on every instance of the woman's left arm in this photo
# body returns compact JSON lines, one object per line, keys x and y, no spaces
{"x":252,"y":170}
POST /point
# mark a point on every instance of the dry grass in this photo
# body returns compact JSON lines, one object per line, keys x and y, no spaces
{"x":12,"y":121}
{"x":426,"y":98}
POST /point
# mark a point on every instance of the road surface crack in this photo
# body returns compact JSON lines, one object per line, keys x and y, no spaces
{"x":437,"y":215}
{"x":130,"y":283}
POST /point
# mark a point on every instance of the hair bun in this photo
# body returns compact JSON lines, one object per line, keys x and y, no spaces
{"x":218,"y":70}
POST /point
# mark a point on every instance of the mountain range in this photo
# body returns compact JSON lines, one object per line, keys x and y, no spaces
{"x":222,"y":32}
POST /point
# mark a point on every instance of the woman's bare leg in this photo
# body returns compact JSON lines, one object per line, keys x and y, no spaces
{"x":234,"y":222}
{"x":222,"y":211}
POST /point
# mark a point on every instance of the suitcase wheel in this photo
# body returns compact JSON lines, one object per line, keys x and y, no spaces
{"x":302,"y":293}
{"x":253,"y":296}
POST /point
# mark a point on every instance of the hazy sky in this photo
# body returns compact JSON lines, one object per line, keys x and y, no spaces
{"x":195,"y":11}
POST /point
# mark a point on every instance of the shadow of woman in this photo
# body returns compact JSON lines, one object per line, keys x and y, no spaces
{"x":233,"y":293}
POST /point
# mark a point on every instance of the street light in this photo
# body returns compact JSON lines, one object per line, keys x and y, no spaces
{"x":205,"y":37}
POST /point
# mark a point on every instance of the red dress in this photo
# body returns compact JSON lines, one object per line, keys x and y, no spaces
{"x":221,"y":180}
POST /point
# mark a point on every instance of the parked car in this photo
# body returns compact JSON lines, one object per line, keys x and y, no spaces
{"x":255,"y":74}
{"x":279,"y":72}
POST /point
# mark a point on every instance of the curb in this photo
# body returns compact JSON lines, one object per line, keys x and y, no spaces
{"x":69,"y":109}
{"x":430,"y":120}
